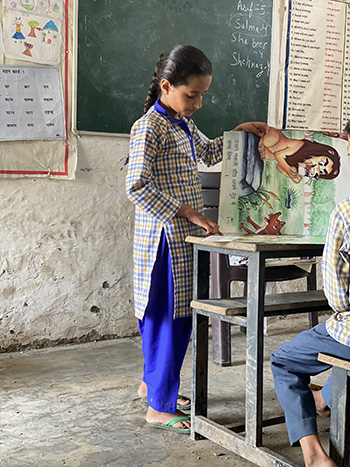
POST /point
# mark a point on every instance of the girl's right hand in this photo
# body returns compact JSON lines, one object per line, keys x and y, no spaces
{"x":259,"y":128}
{"x":198,"y":219}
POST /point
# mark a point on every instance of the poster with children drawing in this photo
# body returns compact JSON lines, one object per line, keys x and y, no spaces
{"x":32,"y":38}
{"x":286,"y":182}
{"x":49,"y":8}
{"x":35,"y":114}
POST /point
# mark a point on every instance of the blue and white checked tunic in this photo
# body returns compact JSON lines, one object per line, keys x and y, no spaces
{"x":335,"y":271}
{"x":162,"y":175}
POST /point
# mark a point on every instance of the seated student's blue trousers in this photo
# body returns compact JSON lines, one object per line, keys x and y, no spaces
{"x":164,"y":339}
{"x":292,"y":365}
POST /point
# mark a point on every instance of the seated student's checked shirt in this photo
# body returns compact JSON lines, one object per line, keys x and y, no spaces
{"x":162,"y":175}
{"x":335,"y":272}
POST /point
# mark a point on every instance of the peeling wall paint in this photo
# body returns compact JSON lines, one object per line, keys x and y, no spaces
{"x":65,"y":269}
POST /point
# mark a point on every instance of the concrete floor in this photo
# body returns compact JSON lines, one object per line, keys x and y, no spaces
{"x":77,"y":406}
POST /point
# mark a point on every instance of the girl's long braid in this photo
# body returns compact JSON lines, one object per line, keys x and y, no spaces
{"x":152,"y":94}
{"x":154,"y":88}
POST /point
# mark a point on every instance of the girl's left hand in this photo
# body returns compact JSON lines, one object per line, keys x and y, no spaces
{"x":198,"y":219}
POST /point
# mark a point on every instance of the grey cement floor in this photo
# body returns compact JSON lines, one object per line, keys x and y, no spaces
{"x":77,"y":406}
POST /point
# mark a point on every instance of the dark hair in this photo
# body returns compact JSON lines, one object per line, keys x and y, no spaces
{"x":177,"y":66}
{"x":347,"y":128}
{"x":313,"y":148}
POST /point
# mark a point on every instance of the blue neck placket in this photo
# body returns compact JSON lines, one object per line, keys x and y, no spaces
{"x":182,"y":125}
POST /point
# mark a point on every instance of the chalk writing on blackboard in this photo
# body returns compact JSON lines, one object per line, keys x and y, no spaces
{"x":251,"y":31}
{"x":120,"y":42}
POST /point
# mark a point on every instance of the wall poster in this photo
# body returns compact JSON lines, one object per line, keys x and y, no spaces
{"x":32,"y":103}
{"x":310,"y":64}
{"x":32,"y":38}
{"x":35,"y":94}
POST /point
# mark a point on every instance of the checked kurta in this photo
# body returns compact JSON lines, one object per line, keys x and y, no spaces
{"x":162,"y":175}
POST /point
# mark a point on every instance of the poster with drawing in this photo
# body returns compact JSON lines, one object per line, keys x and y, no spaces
{"x":49,"y":8}
{"x":35,"y":100}
{"x":286,"y":182}
{"x":32,"y":38}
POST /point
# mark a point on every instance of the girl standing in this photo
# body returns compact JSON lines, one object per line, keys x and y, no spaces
{"x":163,"y":183}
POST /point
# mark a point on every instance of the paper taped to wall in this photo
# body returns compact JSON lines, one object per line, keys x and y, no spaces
{"x":32,"y":103}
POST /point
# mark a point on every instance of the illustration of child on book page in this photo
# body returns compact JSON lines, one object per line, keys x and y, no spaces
{"x":285,"y":182}
{"x":299,"y":158}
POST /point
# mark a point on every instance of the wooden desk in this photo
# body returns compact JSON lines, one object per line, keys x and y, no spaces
{"x":249,"y":312}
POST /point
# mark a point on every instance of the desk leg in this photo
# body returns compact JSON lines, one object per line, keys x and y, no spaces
{"x":201,"y":272}
{"x":200,"y":369}
{"x":255,"y":349}
{"x":340,"y":417}
{"x":200,"y":334}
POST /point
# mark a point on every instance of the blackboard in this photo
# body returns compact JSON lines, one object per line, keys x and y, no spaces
{"x":119,"y":43}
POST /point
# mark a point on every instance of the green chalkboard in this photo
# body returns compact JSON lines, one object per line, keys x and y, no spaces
{"x":119,"y":43}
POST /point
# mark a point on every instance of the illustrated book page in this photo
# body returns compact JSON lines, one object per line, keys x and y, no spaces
{"x":285,"y":183}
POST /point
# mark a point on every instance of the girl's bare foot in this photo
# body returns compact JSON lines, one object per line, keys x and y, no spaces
{"x":153,"y":416}
{"x":142,"y":392}
{"x":183,"y":401}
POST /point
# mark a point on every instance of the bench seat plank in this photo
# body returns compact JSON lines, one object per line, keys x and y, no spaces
{"x":273,"y":302}
{"x":334,"y":361}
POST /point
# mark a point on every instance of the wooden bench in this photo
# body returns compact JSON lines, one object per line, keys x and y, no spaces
{"x":339,"y":447}
{"x":275,"y":304}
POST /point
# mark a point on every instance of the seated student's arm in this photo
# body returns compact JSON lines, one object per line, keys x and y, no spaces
{"x":335,"y":259}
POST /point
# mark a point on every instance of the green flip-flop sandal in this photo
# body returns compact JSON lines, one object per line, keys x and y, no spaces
{"x":178,"y":406}
{"x":170,"y":425}
{"x":183,"y":407}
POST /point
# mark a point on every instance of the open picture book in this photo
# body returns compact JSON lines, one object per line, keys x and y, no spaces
{"x":284,"y":183}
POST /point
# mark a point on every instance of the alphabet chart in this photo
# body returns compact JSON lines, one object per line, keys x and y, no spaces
{"x":31,"y":103}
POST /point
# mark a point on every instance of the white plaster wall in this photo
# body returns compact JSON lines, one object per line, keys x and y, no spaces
{"x":66,"y":252}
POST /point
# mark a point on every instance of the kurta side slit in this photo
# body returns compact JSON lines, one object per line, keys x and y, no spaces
{"x":164,"y":339}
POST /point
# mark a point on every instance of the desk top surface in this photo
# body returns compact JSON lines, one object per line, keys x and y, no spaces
{"x":260,"y":242}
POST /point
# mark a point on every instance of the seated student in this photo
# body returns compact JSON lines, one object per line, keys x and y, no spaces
{"x":294,"y":362}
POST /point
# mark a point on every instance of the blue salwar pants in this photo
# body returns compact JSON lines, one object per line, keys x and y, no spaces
{"x":164,"y":339}
{"x":292,"y":365}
